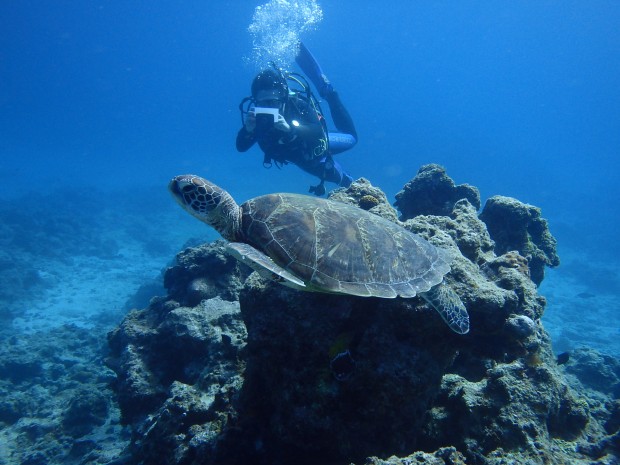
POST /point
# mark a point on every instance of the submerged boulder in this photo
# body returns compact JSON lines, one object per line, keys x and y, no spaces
{"x":253,"y":372}
{"x":433,"y":192}
{"x":517,"y":226}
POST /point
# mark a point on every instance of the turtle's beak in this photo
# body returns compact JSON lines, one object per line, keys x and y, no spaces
{"x":175,"y":190}
{"x":178,"y":186}
{"x":173,"y":187}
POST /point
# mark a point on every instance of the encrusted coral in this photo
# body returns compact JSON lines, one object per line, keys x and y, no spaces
{"x":510,"y":260}
{"x":363,"y":194}
{"x":368,"y":201}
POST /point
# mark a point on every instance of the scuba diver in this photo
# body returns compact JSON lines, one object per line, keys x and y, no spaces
{"x":288,"y":123}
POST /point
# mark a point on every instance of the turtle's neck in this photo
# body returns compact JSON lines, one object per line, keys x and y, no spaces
{"x":226,"y":218}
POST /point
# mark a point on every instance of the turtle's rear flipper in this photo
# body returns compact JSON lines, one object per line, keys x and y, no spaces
{"x":449,"y":305}
{"x":264,"y":265}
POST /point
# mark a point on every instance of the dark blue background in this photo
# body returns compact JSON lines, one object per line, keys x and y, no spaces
{"x":517,"y":98}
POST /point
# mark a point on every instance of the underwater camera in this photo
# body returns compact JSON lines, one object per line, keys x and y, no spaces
{"x":265,"y":117}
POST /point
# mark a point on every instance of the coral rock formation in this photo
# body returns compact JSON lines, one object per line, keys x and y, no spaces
{"x":517,"y":226}
{"x":433,"y":192}
{"x":364,"y":195}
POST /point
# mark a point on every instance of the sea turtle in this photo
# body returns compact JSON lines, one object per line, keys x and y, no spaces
{"x":322,"y":245}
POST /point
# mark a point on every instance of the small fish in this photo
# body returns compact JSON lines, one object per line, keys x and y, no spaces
{"x":563,"y":358}
{"x":342,"y":366}
{"x":585,"y":295}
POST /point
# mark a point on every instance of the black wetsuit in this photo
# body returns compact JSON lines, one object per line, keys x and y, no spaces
{"x":307,"y":143}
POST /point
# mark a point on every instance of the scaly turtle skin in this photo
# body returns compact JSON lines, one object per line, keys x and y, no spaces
{"x":325,"y":246}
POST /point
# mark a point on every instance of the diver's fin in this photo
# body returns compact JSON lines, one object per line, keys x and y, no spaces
{"x":311,"y":68}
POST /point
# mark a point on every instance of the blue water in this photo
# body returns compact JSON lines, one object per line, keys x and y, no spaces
{"x":102,"y":102}
{"x":517,"y":98}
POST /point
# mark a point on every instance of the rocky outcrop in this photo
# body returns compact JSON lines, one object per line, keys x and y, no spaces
{"x":366,"y":196}
{"x":433,"y":192}
{"x":596,"y":371}
{"x":239,"y":370}
{"x":179,"y":362}
{"x":198,"y":276}
{"x":517,"y":226}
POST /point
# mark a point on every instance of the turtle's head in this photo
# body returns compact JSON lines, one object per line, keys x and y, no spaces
{"x":207,"y":202}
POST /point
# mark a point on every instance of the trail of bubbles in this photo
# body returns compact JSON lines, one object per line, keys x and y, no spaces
{"x":276,"y":28}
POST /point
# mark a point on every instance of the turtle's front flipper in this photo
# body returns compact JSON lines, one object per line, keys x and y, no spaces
{"x":264,"y":265}
{"x":449,"y":305}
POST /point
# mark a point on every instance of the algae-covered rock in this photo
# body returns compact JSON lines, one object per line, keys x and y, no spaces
{"x":595,"y":370}
{"x":203,"y":274}
{"x":178,"y":367}
{"x":289,"y":357}
{"x":468,"y":233}
{"x":88,"y":408}
{"x":166,"y":342}
{"x":509,"y":407}
{"x":514,"y":225}
{"x":433,"y":192}
{"x":443,"y":456}
{"x":363,"y":194}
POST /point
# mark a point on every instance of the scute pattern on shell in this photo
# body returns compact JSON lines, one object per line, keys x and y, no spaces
{"x":336,"y":247}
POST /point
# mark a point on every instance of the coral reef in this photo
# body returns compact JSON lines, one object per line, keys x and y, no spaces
{"x":55,"y":401}
{"x":231,"y":369}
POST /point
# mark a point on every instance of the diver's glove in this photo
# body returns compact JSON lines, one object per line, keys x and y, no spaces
{"x":318,"y":189}
{"x":281,"y":124}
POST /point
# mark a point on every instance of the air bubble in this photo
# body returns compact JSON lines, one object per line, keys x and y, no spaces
{"x":276,"y":28}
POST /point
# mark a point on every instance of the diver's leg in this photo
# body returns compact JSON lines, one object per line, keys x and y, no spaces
{"x":326,"y":169}
{"x":311,"y":68}
{"x":330,"y":170}
{"x":340,"y":115}
{"x":339,"y":142}
{"x":345,"y":179}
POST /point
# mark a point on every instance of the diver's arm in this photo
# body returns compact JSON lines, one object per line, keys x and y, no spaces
{"x":245,"y":139}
